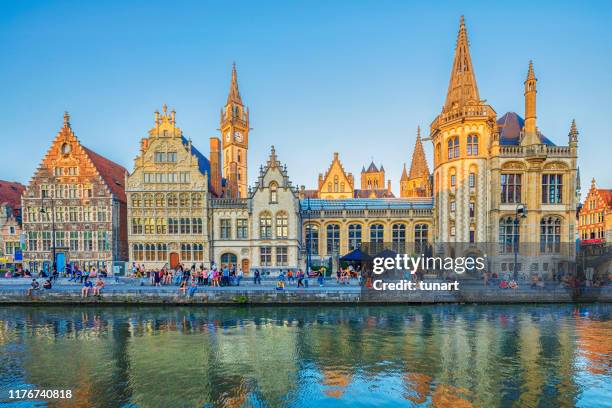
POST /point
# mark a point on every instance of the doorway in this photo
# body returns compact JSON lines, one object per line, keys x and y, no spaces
{"x":245,"y":266}
{"x":174,"y":260}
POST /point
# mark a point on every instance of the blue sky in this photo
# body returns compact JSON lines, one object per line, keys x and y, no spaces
{"x":349,"y":76}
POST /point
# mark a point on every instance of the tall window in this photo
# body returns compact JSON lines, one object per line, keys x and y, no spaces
{"x":472,"y":145}
{"x":472,"y":179}
{"x":74,"y":240}
{"x":198,"y":252}
{"x":196,"y":226}
{"x":282,"y":258}
{"x":184,"y":200}
{"x":162,"y":252}
{"x":148,"y":200}
{"x":312,"y":239}
{"x":472,"y":207}
{"x":185,"y":252}
{"x":376,"y":236}
{"x":265,"y":256}
{"x":160,"y":200}
{"x":552,"y":186}
{"x":161,"y":226}
{"x":511,"y":188}
{"x":196,"y":200}
{"x":137,"y":250}
{"x":333,"y":238}
{"x":282,"y":225}
{"x":87,"y":241}
{"x":242,"y":228}
{"x":185,"y":226}
{"x":173,"y":225}
{"x":265,"y":225}
{"x":273,"y":193}
{"x":453,"y":147}
{"x":420,"y":237}
{"x":398,"y":232}
{"x":172,"y":200}
{"x":149,"y":225}
{"x":354,"y":236}
{"x":550,"y":235}
{"x":508,"y":234}
{"x":226,"y":229}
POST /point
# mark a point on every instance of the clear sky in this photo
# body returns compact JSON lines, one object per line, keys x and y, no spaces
{"x":348,"y":76}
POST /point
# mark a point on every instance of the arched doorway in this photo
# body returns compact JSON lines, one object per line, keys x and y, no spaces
{"x":245,"y":266}
{"x":174,"y":260}
{"x":229,"y":259}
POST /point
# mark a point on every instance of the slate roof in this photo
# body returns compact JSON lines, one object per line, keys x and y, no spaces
{"x":203,"y":162}
{"x":510,"y":126}
{"x":10,"y":193}
{"x":112,"y":173}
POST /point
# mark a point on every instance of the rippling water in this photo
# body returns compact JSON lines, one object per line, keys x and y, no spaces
{"x":441,"y":356}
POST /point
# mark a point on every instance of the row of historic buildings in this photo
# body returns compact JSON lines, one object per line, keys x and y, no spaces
{"x":495,"y":180}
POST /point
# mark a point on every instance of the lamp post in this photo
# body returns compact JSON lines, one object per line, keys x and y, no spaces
{"x":309,"y":240}
{"x":43,"y":210}
{"x":521,"y":211}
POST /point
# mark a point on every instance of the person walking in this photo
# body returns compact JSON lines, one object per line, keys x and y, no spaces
{"x":256,"y":277}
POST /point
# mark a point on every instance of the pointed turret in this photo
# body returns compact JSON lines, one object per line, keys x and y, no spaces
{"x":462,"y":86}
{"x":530,"y":103}
{"x":404,"y":174}
{"x":418,"y":166}
{"x":234,"y":93}
{"x":573,"y":133}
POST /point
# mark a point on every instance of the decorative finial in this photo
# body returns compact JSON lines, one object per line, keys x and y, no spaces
{"x":418,"y":132}
{"x":530,"y":72}
{"x":593,"y":182}
{"x":66,"y":119}
{"x":462,"y":21}
{"x":165,"y":109}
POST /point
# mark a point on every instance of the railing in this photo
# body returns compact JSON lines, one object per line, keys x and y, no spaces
{"x":534,"y":151}
{"x":228,"y":203}
{"x":465,"y":111}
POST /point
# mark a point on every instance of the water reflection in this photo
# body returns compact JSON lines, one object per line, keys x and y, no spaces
{"x":442,"y":356}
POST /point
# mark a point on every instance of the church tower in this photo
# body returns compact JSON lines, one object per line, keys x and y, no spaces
{"x":235,"y":133}
{"x":461,"y":136}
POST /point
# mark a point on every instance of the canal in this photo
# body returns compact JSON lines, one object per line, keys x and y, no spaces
{"x":388,"y":356}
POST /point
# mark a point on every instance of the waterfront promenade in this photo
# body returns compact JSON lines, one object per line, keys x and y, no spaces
{"x":130,"y":291}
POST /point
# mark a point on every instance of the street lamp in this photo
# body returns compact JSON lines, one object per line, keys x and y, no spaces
{"x":520,"y":212}
{"x":43,"y":210}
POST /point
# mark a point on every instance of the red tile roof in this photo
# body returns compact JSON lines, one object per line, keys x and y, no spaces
{"x":606,"y":195}
{"x":10,"y":192}
{"x":112,"y":173}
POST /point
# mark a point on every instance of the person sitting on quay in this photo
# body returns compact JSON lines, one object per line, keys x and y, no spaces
{"x":503,"y":284}
{"x":34,"y":286}
{"x":280,"y":282}
{"x":512,"y":284}
{"x":194,"y":287}
{"x":97,"y":290}
{"x":183,"y":287}
{"x":47,"y":285}
{"x":321,"y":276}
{"x":87,"y":286}
{"x":205,"y":274}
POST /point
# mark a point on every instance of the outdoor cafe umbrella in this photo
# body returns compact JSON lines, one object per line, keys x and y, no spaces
{"x":356,"y":255}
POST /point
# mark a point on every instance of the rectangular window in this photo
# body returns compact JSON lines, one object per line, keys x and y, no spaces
{"x":472,"y":236}
{"x":453,"y":180}
{"x":171,"y":157}
{"x":472,"y":180}
{"x":552,"y":186}
{"x":46,"y":240}
{"x":87,"y":241}
{"x":510,"y":188}
{"x":242,"y":228}
{"x":74,"y":241}
{"x":453,"y":206}
{"x":282,"y":258}
{"x":59,"y":239}
{"x":102,"y":241}
{"x":32,"y":240}
{"x":183,"y":177}
{"x":472,"y":210}
{"x":101,"y":214}
{"x":160,"y":157}
{"x":226,"y":229}
{"x":265,"y":256}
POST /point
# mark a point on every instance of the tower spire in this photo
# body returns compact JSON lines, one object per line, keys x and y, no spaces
{"x":234,"y":93}
{"x":573,"y":133}
{"x":418,"y":166}
{"x":462,"y":86}
{"x":530,"y":128}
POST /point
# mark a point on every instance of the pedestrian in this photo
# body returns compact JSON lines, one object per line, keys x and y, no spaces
{"x":300,"y":278}
{"x":34,"y":286}
{"x":239,"y":276}
{"x":256,"y":277}
{"x":290,"y":277}
{"x":205,"y":274}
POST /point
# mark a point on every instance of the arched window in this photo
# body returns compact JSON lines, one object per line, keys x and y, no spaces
{"x":312,"y":238}
{"x":509,"y":234}
{"x":265,"y":225}
{"x":136,"y":200}
{"x":472,"y":145}
{"x":184,"y":200}
{"x":398,"y":232}
{"x":335,"y":184}
{"x":550,"y":235}
{"x":333,"y":238}
{"x":150,"y":252}
{"x":453,"y":147}
{"x":173,"y":226}
{"x":229,"y":259}
{"x":160,"y":201}
{"x":172,"y":200}
{"x":421,"y":232}
{"x":161,"y":226}
{"x":273,"y":193}
{"x":376,"y":233}
{"x":148,"y":200}
{"x":354,"y":236}
{"x":282,"y":225}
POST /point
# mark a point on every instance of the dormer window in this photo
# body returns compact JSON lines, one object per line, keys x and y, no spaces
{"x":273,"y":193}
{"x":66,"y":148}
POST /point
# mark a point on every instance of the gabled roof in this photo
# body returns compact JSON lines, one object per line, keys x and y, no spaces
{"x":10,"y":193}
{"x":112,"y":173}
{"x":606,"y":195}
{"x":418,"y":167}
{"x":372,"y":168}
{"x":510,"y":126}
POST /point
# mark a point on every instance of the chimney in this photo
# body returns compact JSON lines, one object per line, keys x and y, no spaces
{"x":215,"y":166}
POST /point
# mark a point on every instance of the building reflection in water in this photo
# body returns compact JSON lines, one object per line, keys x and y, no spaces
{"x":443,"y":356}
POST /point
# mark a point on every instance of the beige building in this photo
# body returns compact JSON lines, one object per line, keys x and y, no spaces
{"x":10,"y":221}
{"x":167,"y":195}
{"x":485,"y":168}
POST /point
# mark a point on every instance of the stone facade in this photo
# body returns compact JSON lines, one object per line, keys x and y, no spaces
{"x":81,"y":196}
{"x":595,"y":217}
{"x":168,"y":198}
{"x":10,"y":221}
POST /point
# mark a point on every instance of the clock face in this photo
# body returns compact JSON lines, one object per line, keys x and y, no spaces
{"x":238,"y":136}
{"x":227,"y":137}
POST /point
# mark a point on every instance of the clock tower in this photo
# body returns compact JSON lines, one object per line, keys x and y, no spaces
{"x":235,"y":135}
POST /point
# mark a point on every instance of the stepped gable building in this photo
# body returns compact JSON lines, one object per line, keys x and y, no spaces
{"x":595,"y":217}
{"x":80,"y":195}
{"x":167,"y":195}
{"x":10,"y":220}
{"x":484,"y":168}
{"x":261,"y":231}
{"x":417,"y":183}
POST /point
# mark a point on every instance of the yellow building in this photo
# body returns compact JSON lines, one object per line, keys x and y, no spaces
{"x":336,"y":183}
{"x":416,"y":183}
